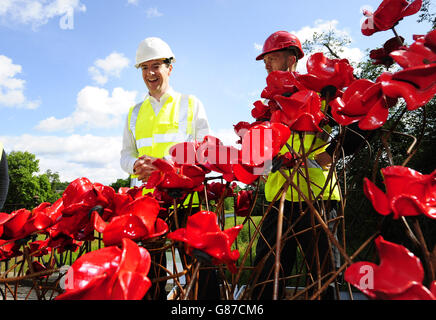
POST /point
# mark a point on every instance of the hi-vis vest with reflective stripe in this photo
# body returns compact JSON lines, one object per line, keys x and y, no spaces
{"x":156,"y":134}
{"x":317,"y":175}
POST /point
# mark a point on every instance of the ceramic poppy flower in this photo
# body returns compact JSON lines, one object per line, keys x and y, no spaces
{"x":300,"y":112}
{"x":262,"y":142}
{"x":281,"y":83}
{"x":167,"y":176}
{"x":382,"y":55}
{"x":261,"y":111}
{"x":323,"y":72}
{"x":203,"y":233}
{"x":243,"y":202}
{"x":388,"y":14}
{"x":408,"y":193}
{"x":214,"y":190}
{"x":20,"y":224}
{"x":39,"y":248}
{"x":398,"y":276}
{"x":110,"y":273}
{"x":9,"y":249}
{"x":137,"y":220}
{"x":430,"y":40}
{"x":419,"y":53}
{"x":416,"y":85}
{"x":62,"y":243}
{"x":365,"y":102}
{"x":185,"y":153}
{"x":240,"y":129}
{"x":215,"y":156}
{"x":248,"y":174}
{"x":82,"y":195}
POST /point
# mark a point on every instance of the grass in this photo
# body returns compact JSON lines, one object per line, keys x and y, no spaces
{"x":243,"y":241}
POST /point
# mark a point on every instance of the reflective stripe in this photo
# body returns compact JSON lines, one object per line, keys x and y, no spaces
{"x":144,"y":142}
{"x":183,"y":114}
{"x":134,"y":117}
{"x":168,"y":137}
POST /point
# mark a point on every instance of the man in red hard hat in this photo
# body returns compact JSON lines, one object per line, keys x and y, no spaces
{"x":281,"y":52}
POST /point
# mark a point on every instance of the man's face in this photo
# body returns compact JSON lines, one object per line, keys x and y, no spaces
{"x":156,"y":75}
{"x":279,"y":61}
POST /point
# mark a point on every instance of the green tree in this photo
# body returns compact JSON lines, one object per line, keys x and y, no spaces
{"x":27,"y":189}
{"x":120,"y":183}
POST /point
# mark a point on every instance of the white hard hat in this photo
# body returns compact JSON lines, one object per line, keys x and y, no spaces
{"x":151,"y":49}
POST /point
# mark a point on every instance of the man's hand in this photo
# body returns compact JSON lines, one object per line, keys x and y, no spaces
{"x":143,"y":167}
{"x":324,"y":160}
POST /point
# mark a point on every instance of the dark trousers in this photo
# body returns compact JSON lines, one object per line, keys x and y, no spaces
{"x":309,"y":241}
{"x":208,"y":281}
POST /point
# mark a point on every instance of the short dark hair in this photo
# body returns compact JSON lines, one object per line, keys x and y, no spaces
{"x":168,"y":61}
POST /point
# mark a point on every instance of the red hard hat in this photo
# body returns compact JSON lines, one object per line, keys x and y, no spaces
{"x":281,"y":40}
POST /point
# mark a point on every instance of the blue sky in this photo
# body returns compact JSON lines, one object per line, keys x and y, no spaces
{"x":67,"y":77}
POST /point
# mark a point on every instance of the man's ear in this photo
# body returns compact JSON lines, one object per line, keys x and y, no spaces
{"x":292,"y":60}
{"x":170,"y":68}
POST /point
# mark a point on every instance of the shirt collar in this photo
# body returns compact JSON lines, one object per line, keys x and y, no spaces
{"x":169,"y":93}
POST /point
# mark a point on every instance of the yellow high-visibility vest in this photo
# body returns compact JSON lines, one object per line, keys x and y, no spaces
{"x":156,"y":134}
{"x":317,"y":175}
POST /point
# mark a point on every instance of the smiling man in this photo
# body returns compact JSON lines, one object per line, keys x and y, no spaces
{"x":163,"y":119}
{"x":153,"y":126}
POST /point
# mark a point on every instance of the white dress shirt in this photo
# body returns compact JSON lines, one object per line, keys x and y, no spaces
{"x":129,"y":151}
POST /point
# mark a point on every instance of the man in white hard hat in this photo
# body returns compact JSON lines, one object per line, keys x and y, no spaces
{"x":153,"y":126}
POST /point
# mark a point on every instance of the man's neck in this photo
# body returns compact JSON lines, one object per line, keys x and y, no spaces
{"x":158,"y":95}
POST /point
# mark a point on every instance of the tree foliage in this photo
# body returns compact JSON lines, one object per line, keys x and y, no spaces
{"x":27,"y":188}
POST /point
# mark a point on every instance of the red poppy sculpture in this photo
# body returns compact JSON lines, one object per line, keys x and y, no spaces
{"x":171,"y":176}
{"x":408,"y":193}
{"x":215,"y":190}
{"x":9,"y":249}
{"x":203,"y":233}
{"x":78,"y":199}
{"x":110,"y":273}
{"x":399,"y":275}
{"x":215,"y":156}
{"x":388,"y":14}
{"x":300,"y":112}
{"x":363,"y":102}
{"x":21,"y":223}
{"x":260,"y":144}
{"x":416,"y":83}
{"x":382,"y":55}
{"x":243,"y":202}
{"x":281,"y":83}
{"x":323,"y":72}
{"x":137,"y":220}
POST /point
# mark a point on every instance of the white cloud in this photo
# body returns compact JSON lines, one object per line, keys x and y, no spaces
{"x":153,"y":13}
{"x":75,"y":156}
{"x":258,"y":47}
{"x":353,"y":54}
{"x":11,"y":87}
{"x":133,"y":2}
{"x":95,"y":108}
{"x":227,"y":136}
{"x":38,"y":12}
{"x":111,"y":66}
